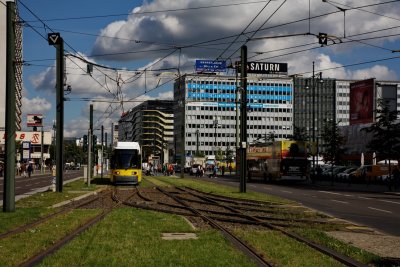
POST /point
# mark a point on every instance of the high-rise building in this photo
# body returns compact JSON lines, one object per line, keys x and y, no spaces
{"x":150,"y":124}
{"x":206,"y":118}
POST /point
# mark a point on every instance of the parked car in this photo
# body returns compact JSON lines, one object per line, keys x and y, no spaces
{"x":344,"y":175}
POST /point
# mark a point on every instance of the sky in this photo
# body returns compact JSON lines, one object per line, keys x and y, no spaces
{"x":138,"y":48}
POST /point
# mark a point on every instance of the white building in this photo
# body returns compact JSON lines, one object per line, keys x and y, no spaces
{"x":205,"y":116}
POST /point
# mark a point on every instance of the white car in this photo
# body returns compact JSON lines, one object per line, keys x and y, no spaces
{"x":193,"y":169}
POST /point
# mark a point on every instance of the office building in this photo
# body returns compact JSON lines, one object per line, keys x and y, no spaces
{"x":150,"y":124}
{"x":206,"y":117}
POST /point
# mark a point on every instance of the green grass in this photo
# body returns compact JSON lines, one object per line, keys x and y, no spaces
{"x":210,"y":187}
{"x":36,"y":206}
{"x":283,"y":250}
{"x":20,"y":247}
{"x":339,"y":246}
{"x":131,"y":237}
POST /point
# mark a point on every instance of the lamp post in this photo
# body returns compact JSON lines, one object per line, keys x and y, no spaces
{"x":313,"y":84}
{"x":197,"y":142}
{"x":215,"y":136}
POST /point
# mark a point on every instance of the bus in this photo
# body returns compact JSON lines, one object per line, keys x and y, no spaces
{"x":279,"y":160}
{"x":126,"y":163}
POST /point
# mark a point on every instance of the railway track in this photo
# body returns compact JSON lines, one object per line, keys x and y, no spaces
{"x":108,"y":200}
{"x":213,"y":209}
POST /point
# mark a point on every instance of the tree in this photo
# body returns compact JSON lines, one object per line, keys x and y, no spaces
{"x":300,"y":134}
{"x":333,"y":142}
{"x":385,"y":132}
{"x":219,"y":155}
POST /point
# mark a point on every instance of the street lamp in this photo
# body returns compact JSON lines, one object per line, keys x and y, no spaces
{"x":313,"y":105}
{"x":215,"y":135}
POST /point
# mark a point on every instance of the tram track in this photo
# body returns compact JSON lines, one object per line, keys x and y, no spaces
{"x":106,"y":196}
{"x":213,"y":208}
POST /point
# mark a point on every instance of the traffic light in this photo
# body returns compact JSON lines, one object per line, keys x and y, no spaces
{"x":85,"y":143}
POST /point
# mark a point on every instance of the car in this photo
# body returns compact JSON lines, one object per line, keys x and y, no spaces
{"x":344,"y":175}
{"x":193,"y":169}
{"x":177,"y":168}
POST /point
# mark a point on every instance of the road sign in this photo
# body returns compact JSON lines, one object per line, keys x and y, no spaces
{"x":54,"y":38}
{"x":210,"y":65}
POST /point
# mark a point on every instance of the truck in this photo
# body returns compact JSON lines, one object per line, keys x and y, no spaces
{"x":279,"y":160}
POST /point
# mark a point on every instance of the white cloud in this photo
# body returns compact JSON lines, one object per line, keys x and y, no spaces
{"x":35,"y":105}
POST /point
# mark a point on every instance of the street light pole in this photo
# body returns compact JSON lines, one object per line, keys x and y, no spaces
{"x":215,"y":136}
{"x":313,"y":112}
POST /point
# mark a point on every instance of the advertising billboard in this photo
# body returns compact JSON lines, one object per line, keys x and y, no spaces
{"x":362,"y":102}
{"x":34,"y":120}
{"x":267,"y":68}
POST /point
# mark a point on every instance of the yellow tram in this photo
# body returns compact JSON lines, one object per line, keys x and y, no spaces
{"x":126,"y":163}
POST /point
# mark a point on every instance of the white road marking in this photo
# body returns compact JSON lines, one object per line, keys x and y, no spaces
{"x":289,"y":192}
{"x":367,"y":198}
{"x":343,"y":202}
{"x":388,"y":201}
{"x":379,"y":210}
{"x":327,"y":192}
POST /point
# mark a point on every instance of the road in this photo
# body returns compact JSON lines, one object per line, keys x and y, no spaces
{"x":25,"y":186}
{"x":377,"y":210}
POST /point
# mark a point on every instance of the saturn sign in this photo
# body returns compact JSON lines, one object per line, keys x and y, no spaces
{"x":267,"y":68}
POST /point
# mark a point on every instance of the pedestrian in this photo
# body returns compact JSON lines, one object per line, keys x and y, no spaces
{"x":215,"y":169}
{"x":23,"y":169}
{"x":230,"y":169}
{"x":30,"y":170}
{"x":223,"y":170}
{"x":1,"y":170}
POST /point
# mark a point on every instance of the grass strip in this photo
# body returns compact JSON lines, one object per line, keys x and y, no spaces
{"x":210,"y":187}
{"x":132,"y":237}
{"x":36,"y":206}
{"x":20,"y":247}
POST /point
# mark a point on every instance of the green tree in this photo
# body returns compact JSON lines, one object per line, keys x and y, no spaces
{"x":299,"y":134}
{"x":385,"y":132}
{"x":333,"y":142}
{"x":219,"y":155}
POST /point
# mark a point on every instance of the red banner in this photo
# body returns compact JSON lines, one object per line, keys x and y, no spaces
{"x":362,"y":102}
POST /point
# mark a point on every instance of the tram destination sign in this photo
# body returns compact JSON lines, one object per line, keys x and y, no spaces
{"x":267,"y":68}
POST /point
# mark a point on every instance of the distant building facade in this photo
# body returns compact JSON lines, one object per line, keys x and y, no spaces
{"x":150,"y":124}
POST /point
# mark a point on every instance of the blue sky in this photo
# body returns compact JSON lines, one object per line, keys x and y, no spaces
{"x":163,"y":35}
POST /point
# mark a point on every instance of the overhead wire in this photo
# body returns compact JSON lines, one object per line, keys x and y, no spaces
{"x":152,"y":12}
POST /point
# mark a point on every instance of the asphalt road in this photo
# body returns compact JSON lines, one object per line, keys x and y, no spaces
{"x":370,"y":206}
{"x":25,"y":186}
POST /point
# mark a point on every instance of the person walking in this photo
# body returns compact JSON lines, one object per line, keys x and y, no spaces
{"x":30,"y":170}
{"x":23,"y":170}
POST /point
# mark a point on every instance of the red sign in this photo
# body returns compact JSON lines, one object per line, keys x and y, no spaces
{"x":362,"y":102}
{"x":34,"y":120}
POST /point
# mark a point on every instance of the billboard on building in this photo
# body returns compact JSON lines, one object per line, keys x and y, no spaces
{"x":362,"y":102}
{"x":34,"y":120}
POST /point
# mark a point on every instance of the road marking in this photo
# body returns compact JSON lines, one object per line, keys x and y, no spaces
{"x":379,"y":210}
{"x":343,"y":202}
{"x":388,"y":201}
{"x":286,"y":192}
{"x":367,"y":198}
{"x":327,"y":192}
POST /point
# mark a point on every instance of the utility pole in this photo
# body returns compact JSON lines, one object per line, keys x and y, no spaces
{"x":55,"y":40}
{"x":243,"y":119}
{"x":9,"y":177}
{"x":90,"y":140}
{"x":101,"y":161}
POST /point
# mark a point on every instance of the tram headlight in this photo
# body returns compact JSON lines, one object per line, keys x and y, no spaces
{"x":116,"y":172}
